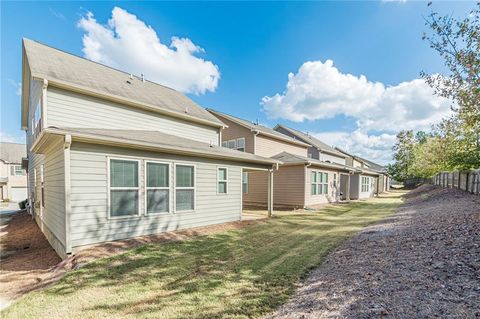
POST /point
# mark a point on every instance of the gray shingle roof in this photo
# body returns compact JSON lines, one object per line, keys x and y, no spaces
{"x":53,"y":64}
{"x":257,"y":127}
{"x":161,"y":142}
{"x":12,"y":152}
{"x":288,"y":158}
{"x":307,"y":138}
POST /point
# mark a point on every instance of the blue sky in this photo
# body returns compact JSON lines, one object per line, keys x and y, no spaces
{"x":253,"y":47}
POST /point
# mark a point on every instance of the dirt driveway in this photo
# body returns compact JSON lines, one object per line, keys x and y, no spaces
{"x":423,"y":262}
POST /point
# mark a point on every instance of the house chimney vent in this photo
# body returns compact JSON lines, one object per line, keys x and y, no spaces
{"x":143,"y":77}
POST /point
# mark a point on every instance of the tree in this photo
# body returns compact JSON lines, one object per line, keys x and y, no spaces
{"x":458,"y":42}
{"x":403,"y":156}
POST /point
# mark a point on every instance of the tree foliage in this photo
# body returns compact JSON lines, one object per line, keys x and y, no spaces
{"x":455,"y":142}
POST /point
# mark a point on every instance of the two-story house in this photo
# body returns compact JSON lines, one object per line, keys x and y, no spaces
{"x":300,"y":181}
{"x":113,"y":156}
{"x":13,"y":178}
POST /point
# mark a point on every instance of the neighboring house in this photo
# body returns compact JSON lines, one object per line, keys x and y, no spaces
{"x":318,"y":149}
{"x":299,"y":182}
{"x":13,"y":178}
{"x":112,"y":156}
{"x":384,"y":178}
{"x":365,"y":182}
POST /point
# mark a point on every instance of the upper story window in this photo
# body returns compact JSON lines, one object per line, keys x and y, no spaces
{"x":235,"y":144}
{"x":17,"y":170}
{"x":37,"y":116}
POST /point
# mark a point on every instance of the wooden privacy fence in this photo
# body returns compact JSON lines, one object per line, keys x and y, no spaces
{"x":467,"y":180}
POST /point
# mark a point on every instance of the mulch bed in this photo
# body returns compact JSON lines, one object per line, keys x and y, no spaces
{"x":423,"y":262}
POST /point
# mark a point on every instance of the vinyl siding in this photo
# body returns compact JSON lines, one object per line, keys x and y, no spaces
{"x":257,"y":189}
{"x":333,"y":192}
{"x":356,"y":187}
{"x":267,"y":147}
{"x":234,"y":131}
{"x":68,"y":109}
{"x":54,"y":179}
{"x":288,"y":188}
{"x":89,"y":216}
{"x":332,"y":158}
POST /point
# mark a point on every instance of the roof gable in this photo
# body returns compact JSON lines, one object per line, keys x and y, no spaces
{"x":12,"y":152}
{"x":59,"y":67}
{"x":259,"y":128}
{"x":307,"y":138}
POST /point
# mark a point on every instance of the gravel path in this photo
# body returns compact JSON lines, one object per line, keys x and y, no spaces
{"x":423,"y":262}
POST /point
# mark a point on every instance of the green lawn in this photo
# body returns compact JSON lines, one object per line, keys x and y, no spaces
{"x":238,"y":273}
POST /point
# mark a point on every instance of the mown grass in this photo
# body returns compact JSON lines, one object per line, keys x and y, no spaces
{"x":238,"y":273}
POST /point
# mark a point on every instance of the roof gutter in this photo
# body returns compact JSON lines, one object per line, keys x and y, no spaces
{"x":115,"y":98}
{"x":104,"y":140}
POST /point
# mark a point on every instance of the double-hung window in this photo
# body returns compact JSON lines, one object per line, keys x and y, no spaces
{"x":157,"y":187}
{"x":184,"y":187}
{"x":365,"y":184}
{"x":245,"y":182}
{"x":241,"y":144}
{"x":124,"y":187}
{"x":222,"y":180}
{"x":319,"y":183}
{"x":334,"y":180}
{"x":324,"y":183}
{"x":313,"y":179}
{"x":232,"y":144}
{"x":17,"y":170}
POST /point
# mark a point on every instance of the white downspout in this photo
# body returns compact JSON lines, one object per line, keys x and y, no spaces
{"x":66,"y":158}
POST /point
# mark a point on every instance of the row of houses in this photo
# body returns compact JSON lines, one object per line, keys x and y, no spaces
{"x":113,"y":156}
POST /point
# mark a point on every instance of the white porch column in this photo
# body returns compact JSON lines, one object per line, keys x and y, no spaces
{"x":347,"y":195}
{"x":270,"y":192}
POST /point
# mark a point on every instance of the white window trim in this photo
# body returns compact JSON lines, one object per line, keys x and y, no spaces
{"x":147,"y":188}
{"x":319,"y":184}
{"x":14,"y":168}
{"x":236,"y":142}
{"x":175,"y":188}
{"x":244,"y":183}
{"x":313,"y":173}
{"x":366,"y":184}
{"x":219,"y":180}
{"x":109,"y":213}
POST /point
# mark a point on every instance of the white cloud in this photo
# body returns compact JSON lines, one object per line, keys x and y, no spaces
{"x":17,"y":85}
{"x":376,"y":148}
{"x":320,"y":91}
{"x":9,"y":138}
{"x":129,"y":44}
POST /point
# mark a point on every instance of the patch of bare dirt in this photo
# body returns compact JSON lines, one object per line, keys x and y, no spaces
{"x":422,"y":262}
{"x":28,"y":261}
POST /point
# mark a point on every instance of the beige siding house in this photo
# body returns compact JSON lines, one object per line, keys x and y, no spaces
{"x":112,"y":156}
{"x":13,"y":177}
{"x":369,"y":180}
{"x":292,"y":181}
